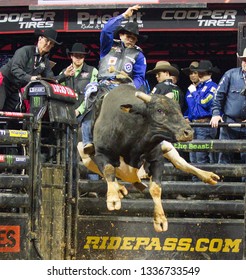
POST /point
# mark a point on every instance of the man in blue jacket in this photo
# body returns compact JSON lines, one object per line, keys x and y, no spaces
{"x":199,"y":102}
{"x":121,"y":61}
{"x":230,"y":106}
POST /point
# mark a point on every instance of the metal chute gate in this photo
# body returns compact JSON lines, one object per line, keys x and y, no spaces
{"x":37,"y":175}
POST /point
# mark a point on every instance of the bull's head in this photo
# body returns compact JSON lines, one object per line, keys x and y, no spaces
{"x":164,"y":117}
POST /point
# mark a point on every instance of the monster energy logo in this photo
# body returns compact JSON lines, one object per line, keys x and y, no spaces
{"x":176,"y":94}
{"x":36,"y":101}
{"x":9,"y":159}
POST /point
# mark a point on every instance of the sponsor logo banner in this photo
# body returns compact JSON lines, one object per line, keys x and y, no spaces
{"x":18,"y":133}
{"x":187,"y":238}
{"x":25,"y":20}
{"x":182,"y":244}
{"x":9,"y":239}
{"x":161,"y":19}
{"x":147,"y":19}
{"x":11,"y":114}
{"x":63,"y":90}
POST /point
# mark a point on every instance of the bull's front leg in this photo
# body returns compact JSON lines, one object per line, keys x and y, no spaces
{"x":160,"y":220}
{"x":115,"y":191}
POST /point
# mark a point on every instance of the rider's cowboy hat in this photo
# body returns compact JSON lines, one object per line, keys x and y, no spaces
{"x":242,"y":56}
{"x":130,"y":27}
{"x":50,"y":34}
{"x":78,"y":48}
{"x":164,"y":66}
{"x":207,"y":66}
{"x":192,"y":68}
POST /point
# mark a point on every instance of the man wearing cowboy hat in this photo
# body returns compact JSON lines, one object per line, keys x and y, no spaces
{"x":164,"y":71}
{"x":194,"y":78}
{"x":199,"y":102}
{"x":121,"y":61}
{"x":230,"y":106}
{"x":29,"y":63}
{"x":78,"y":74}
{"x":192,"y":73}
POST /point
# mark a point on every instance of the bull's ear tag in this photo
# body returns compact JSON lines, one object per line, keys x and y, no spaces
{"x":126,"y":108}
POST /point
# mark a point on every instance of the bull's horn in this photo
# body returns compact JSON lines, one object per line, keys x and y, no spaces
{"x":170,"y":95}
{"x":143,"y":96}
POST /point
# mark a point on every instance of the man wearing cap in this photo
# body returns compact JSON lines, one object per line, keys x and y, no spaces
{"x":29,"y":63}
{"x":164,"y":71}
{"x":230,"y":106}
{"x":199,"y":100}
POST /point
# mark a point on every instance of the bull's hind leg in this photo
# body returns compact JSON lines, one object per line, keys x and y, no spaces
{"x":115,"y":191}
{"x":160,"y":220}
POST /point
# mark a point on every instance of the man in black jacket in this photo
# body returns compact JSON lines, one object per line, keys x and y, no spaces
{"x":29,"y":63}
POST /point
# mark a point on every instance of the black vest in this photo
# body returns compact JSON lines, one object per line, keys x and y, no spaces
{"x":79,"y":82}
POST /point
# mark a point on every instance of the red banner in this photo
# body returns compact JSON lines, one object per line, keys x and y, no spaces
{"x":9,"y":239}
{"x":63,"y":90}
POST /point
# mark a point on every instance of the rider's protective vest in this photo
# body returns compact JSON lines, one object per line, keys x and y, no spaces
{"x":119,"y":59}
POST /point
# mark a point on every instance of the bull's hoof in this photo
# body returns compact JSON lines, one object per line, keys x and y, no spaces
{"x":113,"y":204}
{"x":161,"y":226}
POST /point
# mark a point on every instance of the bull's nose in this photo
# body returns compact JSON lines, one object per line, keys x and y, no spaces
{"x":188,"y":133}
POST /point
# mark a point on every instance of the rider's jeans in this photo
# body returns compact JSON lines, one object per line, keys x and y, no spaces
{"x":86,"y":130}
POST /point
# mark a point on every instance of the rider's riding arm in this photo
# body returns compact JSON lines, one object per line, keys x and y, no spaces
{"x":107,"y":34}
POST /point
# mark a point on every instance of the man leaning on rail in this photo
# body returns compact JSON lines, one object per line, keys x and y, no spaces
{"x":230,"y":106}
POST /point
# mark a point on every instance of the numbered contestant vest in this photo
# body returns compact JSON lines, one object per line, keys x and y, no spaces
{"x":118,"y":58}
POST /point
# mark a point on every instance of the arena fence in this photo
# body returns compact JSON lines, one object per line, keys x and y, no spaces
{"x":205,"y":222}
